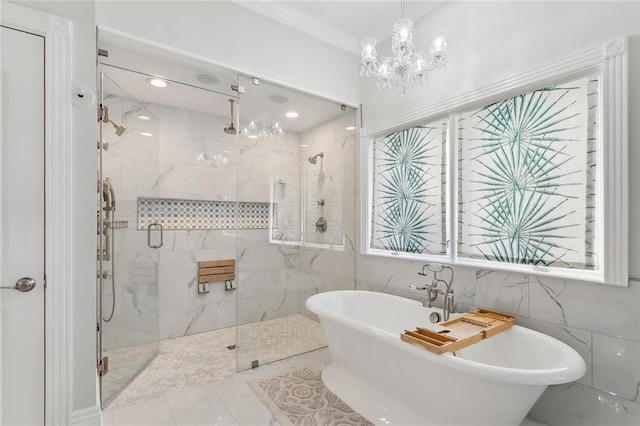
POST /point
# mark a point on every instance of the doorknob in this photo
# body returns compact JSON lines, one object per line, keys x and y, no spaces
{"x":23,"y":285}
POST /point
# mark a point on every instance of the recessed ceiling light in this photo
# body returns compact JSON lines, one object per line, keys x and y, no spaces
{"x":350,"y":128}
{"x":144,"y":118}
{"x":292,"y":114}
{"x":279,"y":99}
{"x":156,"y":82}
{"x":304,"y":145}
{"x":207,"y":79}
{"x":146,"y":134}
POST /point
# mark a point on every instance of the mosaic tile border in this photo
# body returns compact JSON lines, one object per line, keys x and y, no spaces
{"x":174,"y":214}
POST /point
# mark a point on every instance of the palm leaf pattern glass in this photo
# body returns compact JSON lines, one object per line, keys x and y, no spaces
{"x":527,"y":177}
{"x":408,"y":212}
{"x":285,"y":218}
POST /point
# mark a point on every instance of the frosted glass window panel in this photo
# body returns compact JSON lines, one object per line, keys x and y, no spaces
{"x":527,"y":170}
{"x":286,"y":210}
{"x":409,"y":193}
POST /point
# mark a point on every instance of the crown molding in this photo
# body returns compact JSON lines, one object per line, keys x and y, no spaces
{"x":303,"y":22}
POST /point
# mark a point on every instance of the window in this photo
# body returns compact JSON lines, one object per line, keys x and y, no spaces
{"x":530,"y":179}
{"x":408,"y":211}
{"x":527,"y":177}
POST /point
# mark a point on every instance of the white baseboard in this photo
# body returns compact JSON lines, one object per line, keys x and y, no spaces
{"x":91,"y":416}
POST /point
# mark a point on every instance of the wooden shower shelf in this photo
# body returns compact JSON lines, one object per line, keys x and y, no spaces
{"x":460,"y":332}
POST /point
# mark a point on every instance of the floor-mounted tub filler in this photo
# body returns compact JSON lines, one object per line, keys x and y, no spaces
{"x":391,"y":382}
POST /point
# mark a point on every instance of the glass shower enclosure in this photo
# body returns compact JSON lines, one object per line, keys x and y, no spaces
{"x":217,"y":167}
{"x":128,"y":239}
{"x":296,"y":159}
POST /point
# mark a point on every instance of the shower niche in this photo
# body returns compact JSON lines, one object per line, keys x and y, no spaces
{"x":200,"y":172}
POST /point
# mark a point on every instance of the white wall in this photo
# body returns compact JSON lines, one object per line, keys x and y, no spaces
{"x":232,"y":36}
{"x":84,"y":171}
{"x":488,"y":42}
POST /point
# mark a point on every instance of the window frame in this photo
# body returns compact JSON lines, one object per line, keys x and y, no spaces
{"x":608,"y":60}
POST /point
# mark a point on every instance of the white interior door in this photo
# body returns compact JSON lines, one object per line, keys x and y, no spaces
{"x":21,"y":228}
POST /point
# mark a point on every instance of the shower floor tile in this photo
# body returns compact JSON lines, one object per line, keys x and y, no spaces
{"x":276,"y":339}
{"x":190,"y":361}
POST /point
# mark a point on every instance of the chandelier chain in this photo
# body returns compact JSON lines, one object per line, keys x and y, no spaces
{"x":401,"y":9}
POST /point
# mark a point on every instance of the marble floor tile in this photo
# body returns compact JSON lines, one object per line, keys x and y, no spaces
{"x":152,"y":412}
{"x":248,"y":410}
{"x":198,"y":405}
{"x":190,"y":361}
{"x":235,"y":403}
{"x":269,"y":341}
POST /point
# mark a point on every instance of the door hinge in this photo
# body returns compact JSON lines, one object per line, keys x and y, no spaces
{"x":103,"y":366}
{"x":98,"y":326}
{"x":103,"y":113}
{"x":237,"y":88}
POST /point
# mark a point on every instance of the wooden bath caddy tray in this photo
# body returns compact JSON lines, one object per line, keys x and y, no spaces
{"x":460,"y":332}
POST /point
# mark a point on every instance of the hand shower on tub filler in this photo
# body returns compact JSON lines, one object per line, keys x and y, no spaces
{"x":434,"y":291}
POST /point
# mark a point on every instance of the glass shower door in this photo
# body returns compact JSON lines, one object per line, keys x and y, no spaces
{"x":296,"y":165}
{"x":129,"y":236}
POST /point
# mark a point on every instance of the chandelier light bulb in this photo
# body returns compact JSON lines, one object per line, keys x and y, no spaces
{"x":438,"y":45}
{"x":402,"y":37}
{"x":369,"y":56}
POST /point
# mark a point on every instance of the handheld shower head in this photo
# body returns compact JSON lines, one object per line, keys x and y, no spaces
{"x":314,"y":159}
{"x":231,"y":129}
{"x":120,"y":128}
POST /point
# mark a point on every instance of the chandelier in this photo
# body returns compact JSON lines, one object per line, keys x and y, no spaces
{"x":407,"y":68}
{"x":263,"y":128}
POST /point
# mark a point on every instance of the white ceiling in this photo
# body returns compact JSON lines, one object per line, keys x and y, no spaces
{"x":341,"y":23}
{"x":365,"y":17}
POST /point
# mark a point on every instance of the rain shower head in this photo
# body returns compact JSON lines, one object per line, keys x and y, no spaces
{"x":231,"y":129}
{"x":314,"y":159}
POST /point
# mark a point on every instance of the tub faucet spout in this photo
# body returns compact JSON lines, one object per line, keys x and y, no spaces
{"x":434,"y":291}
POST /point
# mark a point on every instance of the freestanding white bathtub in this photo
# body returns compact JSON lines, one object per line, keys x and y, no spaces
{"x":391,"y":382}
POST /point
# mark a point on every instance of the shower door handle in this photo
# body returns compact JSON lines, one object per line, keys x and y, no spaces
{"x":158,"y":226}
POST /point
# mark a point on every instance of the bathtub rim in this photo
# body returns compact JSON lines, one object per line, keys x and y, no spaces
{"x":574,"y":368}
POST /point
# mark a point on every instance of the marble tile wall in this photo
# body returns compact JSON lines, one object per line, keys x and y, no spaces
{"x":189,"y":157}
{"x":327,"y":181}
{"x":327,"y":259}
{"x":267,"y":270}
{"x":135,"y":318}
{"x":600,"y":322}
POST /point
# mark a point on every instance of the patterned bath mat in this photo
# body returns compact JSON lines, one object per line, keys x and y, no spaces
{"x":300,"y":398}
